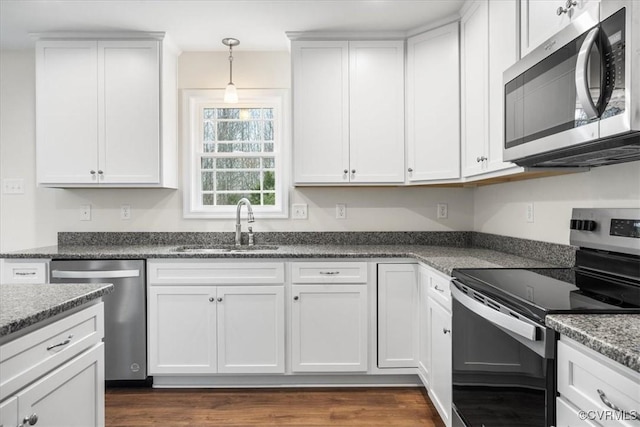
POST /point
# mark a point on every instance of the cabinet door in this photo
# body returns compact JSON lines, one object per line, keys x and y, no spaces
{"x":503,"y":52}
{"x":70,"y":396}
{"x":397,"y":316}
{"x":182,"y":329}
{"x":376,"y":111}
{"x":66,"y":112}
{"x":329,"y":328}
{"x":433,"y":105}
{"x":250,"y":329}
{"x":440,"y":372}
{"x":424,"y":327}
{"x":321,"y":111}
{"x":475,"y":81}
{"x":9,"y":412}
{"x":129,"y":102}
{"x":539,"y":21}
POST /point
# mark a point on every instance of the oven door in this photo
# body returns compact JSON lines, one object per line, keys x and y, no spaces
{"x":503,"y":365}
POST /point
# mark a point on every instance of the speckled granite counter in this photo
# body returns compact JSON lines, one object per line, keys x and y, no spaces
{"x":616,"y":336}
{"x":25,"y":305}
{"x":442,"y":258}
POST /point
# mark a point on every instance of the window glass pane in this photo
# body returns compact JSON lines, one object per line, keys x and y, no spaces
{"x":207,"y":163}
{"x":231,"y":198}
{"x":268,"y":147}
{"x":250,"y":113}
{"x":238,"y":163}
{"x":207,"y":199}
{"x":269,"y":199}
{"x":230,"y":181}
{"x":209,"y":113}
{"x":268,"y":162}
{"x":268,"y":131}
{"x":207,"y":181}
{"x":209,"y":147}
{"x":228,"y":113}
{"x":209,"y":132}
{"x":269,"y":182}
{"x":268,"y":113}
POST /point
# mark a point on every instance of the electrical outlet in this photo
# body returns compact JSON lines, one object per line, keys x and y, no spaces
{"x":13,"y":186}
{"x":529,"y":212}
{"x":125,"y":212}
{"x":299,"y":211}
{"x":85,"y":212}
{"x":341,"y":211}
{"x":443,"y":211}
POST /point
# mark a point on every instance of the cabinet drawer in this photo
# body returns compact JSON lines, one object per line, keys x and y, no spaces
{"x":329,"y":272}
{"x":206,"y":272}
{"x":439,"y":289}
{"x":24,"y":271}
{"x":568,"y":415}
{"x":587,"y":379}
{"x":30,"y":356}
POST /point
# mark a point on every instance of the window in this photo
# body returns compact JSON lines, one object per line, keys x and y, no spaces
{"x":235,"y":151}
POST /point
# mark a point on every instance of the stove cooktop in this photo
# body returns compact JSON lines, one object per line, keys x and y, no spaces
{"x":538,"y":292}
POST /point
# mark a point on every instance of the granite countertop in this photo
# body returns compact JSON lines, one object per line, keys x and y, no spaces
{"x":23,"y":305}
{"x":616,"y":336}
{"x":442,"y":258}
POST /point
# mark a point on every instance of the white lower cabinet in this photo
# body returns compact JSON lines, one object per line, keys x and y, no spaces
{"x":54,"y":376}
{"x":216,"y":329}
{"x":397,"y":315}
{"x":424,"y":327}
{"x":440,"y":372}
{"x":329,"y":328}
{"x":594,"y":387}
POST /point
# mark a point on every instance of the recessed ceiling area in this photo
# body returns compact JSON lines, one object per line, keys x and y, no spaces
{"x":200,"y":25}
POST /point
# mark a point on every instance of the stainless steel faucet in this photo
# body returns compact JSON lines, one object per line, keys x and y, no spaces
{"x":250,"y":218}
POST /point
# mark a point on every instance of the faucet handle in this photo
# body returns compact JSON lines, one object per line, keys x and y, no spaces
{"x":251,"y":242}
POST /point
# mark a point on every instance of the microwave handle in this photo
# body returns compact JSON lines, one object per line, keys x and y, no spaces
{"x":582,"y":70}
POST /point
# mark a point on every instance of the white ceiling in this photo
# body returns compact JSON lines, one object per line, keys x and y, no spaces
{"x":200,"y":25}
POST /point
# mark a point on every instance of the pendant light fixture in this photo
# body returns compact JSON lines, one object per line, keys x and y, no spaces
{"x":230,"y":93}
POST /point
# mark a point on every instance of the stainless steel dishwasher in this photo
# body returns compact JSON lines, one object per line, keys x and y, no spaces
{"x":125,"y":327}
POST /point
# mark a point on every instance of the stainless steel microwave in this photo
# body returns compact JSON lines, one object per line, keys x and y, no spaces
{"x":575,"y":100}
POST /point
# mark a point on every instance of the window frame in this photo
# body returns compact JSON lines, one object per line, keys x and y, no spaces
{"x":193,"y":103}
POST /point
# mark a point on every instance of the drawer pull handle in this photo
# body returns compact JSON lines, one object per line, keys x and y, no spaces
{"x":329,"y":273}
{"x":60,"y":344}
{"x":30,"y":420}
{"x":438,"y":289}
{"x":606,"y":401}
{"x":25,"y":273}
{"x":446,"y":331}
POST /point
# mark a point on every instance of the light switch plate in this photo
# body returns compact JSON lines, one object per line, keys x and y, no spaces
{"x":443,"y":211}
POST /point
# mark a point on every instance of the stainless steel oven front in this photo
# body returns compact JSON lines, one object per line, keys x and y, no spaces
{"x":503,"y":364}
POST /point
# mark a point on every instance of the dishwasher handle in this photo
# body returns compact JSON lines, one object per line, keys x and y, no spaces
{"x":94,"y":274}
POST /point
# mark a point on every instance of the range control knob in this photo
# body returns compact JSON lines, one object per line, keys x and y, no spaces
{"x":583,"y":224}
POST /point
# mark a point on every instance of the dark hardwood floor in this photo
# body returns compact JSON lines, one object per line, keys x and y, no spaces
{"x":270,"y":407}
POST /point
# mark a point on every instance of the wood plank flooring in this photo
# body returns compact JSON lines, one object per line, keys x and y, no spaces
{"x":270,"y":407}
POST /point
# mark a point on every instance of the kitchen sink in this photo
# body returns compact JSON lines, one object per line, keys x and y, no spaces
{"x":224,"y":248}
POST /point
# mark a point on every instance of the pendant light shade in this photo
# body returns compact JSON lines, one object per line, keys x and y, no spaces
{"x":230,"y":93}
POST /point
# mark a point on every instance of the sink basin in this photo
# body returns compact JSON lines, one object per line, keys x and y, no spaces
{"x":224,"y":248}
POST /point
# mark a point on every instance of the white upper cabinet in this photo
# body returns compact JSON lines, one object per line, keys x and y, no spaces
{"x":489,"y":46}
{"x":348,"y":124}
{"x":433,"y":105}
{"x":539,"y":19}
{"x":106,"y":113}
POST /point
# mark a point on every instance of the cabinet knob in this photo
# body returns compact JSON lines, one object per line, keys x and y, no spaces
{"x":561,"y":10}
{"x":92,"y":172}
{"x":100,"y":172}
{"x":296,"y":298}
{"x":353,"y":171}
{"x":219,"y":299}
{"x":212,"y":299}
{"x":446,"y":331}
{"x":30,"y":420}
{"x":481,"y":159}
{"x":410,"y":170}
{"x":346,"y":171}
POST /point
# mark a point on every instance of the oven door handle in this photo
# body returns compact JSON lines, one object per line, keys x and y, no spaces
{"x":510,"y":323}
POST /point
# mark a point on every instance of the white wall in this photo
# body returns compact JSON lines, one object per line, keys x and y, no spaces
{"x":33,"y":219}
{"x":500,"y":209}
